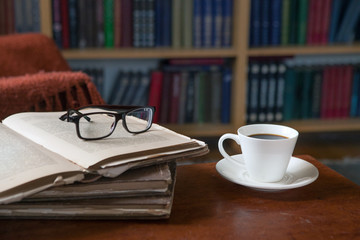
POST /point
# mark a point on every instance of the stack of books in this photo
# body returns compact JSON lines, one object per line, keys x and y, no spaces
{"x":48,"y":172}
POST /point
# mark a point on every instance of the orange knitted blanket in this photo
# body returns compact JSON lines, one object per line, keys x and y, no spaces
{"x":53,"y":91}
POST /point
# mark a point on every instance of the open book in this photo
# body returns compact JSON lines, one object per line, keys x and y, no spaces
{"x":39,"y":151}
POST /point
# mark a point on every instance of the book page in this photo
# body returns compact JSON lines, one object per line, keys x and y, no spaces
{"x":25,"y":163}
{"x":60,"y":137}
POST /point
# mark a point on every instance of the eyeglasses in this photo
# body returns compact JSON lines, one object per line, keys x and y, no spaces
{"x":91,"y":125}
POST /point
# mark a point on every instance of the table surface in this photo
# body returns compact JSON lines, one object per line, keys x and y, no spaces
{"x":206,"y":206}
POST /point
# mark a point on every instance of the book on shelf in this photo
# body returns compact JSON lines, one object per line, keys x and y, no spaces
{"x":41,"y":151}
{"x":144,"y":193}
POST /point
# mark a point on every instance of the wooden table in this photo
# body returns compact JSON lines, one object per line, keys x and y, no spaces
{"x":206,"y":206}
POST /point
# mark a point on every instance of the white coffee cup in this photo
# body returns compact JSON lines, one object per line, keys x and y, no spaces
{"x":266,"y":160}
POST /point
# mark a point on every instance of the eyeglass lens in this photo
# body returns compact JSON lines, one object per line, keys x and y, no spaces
{"x":100,"y":125}
{"x":138,"y":120}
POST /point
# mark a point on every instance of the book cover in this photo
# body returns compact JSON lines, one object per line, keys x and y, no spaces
{"x":155,"y":91}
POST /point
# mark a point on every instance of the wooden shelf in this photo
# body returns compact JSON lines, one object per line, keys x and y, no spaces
{"x":325,"y":125}
{"x":297,"y":50}
{"x":147,"y":53}
{"x":202,"y":130}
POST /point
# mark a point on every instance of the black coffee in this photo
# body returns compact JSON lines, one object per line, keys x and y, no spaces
{"x":268,"y":136}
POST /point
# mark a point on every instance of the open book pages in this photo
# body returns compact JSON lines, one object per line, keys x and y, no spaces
{"x":119,"y":149}
{"x":152,"y":199}
{"x":23,"y":162}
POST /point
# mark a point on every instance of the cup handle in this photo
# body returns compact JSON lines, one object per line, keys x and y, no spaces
{"x":222,"y":150}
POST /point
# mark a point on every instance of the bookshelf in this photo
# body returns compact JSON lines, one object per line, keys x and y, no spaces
{"x":239,"y":52}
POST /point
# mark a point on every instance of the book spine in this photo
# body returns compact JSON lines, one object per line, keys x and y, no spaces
{"x":334,"y":19}
{"x":226,"y":95}
{"x":207,"y":23}
{"x":303,"y":17}
{"x":355,"y":94}
{"x":325,"y":22}
{"x":197,"y":61}
{"x":136,"y":23}
{"x":183,"y":96}
{"x":150,"y":23}
{"x":159,"y":16}
{"x":176,"y":25}
{"x":99,"y":24}
{"x":263,"y":91}
{"x":175,"y":98}
{"x":265,"y":23}
{"x":82,"y":24}
{"x":166,"y":24}
{"x":190,"y":98}
{"x":306,"y":98}
{"x":3,"y":16}
{"x":280,"y":89}
{"x":215,"y":105}
{"x":285,"y":22}
{"x":155,"y":91}
{"x":289,"y":94}
{"x":255,"y":23}
{"x":35,"y":11}
{"x":65,"y":23}
{"x":275,"y":20}
{"x":57,"y":28}
{"x":126,"y":23}
{"x":197,"y":27}
{"x":346,"y":100}
{"x":109,"y":23}
{"x":253,"y":92}
{"x":117,"y":23}
{"x":316,"y":93}
{"x":165,"y":98}
{"x":294,"y":21}
{"x":73,"y":23}
{"x":311,"y":22}
{"x":187,"y":21}
{"x":217,"y":23}
{"x":227,"y":23}
{"x":271,"y":95}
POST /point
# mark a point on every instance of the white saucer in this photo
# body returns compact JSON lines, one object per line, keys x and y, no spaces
{"x":298,"y":174}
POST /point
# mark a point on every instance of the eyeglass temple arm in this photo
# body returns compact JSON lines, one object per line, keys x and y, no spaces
{"x":67,"y":116}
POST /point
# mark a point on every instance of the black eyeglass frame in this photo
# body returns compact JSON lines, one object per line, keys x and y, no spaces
{"x":118,"y":111}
